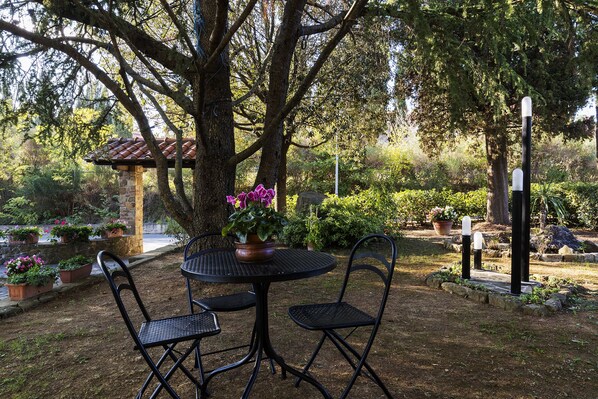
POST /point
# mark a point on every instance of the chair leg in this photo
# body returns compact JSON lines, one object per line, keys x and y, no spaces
{"x":311,"y":359}
{"x":337,"y":340}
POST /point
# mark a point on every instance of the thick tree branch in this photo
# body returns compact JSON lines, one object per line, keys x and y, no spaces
{"x":229,"y":34}
{"x":323,"y":27}
{"x":350,"y":18}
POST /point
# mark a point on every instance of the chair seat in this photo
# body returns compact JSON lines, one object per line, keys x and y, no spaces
{"x":227,"y":303}
{"x":328,"y":316}
{"x":176,"y":329}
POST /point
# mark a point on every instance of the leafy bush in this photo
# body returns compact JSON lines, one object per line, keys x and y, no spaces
{"x":18,"y":210}
{"x":413,"y":206}
{"x":294,"y":232}
{"x":344,"y":221}
{"x":471,"y":203}
{"x":580,"y":202}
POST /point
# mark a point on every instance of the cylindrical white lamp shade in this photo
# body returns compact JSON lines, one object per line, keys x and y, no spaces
{"x":478,"y":240}
{"x":526,"y":107}
{"x":517,"y":180}
{"x":466,"y":226}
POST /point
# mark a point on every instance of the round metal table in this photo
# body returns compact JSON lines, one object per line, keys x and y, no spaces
{"x":221,"y":266}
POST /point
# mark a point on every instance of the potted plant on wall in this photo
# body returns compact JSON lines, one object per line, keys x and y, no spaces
{"x":67,"y":232}
{"x":112,"y":229}
{"x":255,"y":223}
{"x":75,"y":268}
{"x":23,"y":235}
{"x":442,"y":219}
{"x":28,"y":276}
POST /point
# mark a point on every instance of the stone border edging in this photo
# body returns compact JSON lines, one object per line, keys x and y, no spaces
{"x":507,"y":302}
{"x":10,"y":308}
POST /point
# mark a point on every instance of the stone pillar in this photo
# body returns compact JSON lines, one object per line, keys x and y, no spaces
{"x":130,"y":179}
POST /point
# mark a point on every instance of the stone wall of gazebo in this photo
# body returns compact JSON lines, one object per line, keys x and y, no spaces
{"x":130,"y":179}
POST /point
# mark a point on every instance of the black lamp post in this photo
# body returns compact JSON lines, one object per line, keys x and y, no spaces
{"x":466,"y":241}
{"x":526,"y":155}
{"x":478,"y":241}
{"x":516,"y":236}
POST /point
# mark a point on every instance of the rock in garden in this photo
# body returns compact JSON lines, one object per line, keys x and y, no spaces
{"x":565,"y":250}
{"x":590,"y":246}
{"x":553,"y":238}
{"x":307,"y":198}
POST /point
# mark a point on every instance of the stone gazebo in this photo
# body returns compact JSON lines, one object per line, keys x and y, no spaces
{"x":130,"y":157}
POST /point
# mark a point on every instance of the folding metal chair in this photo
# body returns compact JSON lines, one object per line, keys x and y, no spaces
{"x":165,"y":333}
{"x":226,"y":303}
{"x":372,"y":254}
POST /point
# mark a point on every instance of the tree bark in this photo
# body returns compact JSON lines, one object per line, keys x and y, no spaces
{"x":281,"y":185}
{"x":497,"y":208}
{"x":284,"y":48}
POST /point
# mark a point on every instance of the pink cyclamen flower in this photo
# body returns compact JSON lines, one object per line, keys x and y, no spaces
{"x":63,"y":222}
{"x":242,"y":200}
{"x":56,"y":221}
{"x":252,"y":196}
{"x":231,"y":200}
{"x":260,"y":188}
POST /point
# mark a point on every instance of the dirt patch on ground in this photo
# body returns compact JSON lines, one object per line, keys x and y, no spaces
{"x":431,"y":345}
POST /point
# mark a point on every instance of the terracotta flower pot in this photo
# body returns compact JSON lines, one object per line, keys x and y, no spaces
{"x":443,"y":227}
{"x":254,"y":250}
{"x":114,"y":233}
{"x":66,"y":239}
{"x":70,"y":276}
{"x":18,"y":292}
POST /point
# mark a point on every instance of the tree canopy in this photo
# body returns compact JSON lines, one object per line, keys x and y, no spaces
{"x":468,"y":64}
{"x":172,"y":65}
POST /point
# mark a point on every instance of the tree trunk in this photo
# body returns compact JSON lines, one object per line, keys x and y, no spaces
{"x":284,"y":48}
{"x":497,"y":208}
{"x":281,"y":185}
{"x":596,"y":127}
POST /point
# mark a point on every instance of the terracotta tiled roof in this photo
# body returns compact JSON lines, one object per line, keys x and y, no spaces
{"x":121,"y":151}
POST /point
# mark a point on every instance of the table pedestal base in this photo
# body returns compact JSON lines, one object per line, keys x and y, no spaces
{"x":261,"y":345}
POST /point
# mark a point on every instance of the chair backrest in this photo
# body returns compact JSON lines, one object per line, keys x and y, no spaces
{"x":120,"y":280}
{"x":207,"y":242}
{"x":377,"y":254}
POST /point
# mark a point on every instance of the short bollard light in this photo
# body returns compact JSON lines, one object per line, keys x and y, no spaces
{"x":517,"y":232}
{"x":478,"y":240}
{"x":466,"y":253}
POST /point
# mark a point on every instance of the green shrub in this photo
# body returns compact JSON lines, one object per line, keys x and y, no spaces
{"x":580,"y":202}
{"x":471,"y":203}
{"x":413,"y":206}
{"x":18,"y":210}
{"x":294,"y":232}
{"x":344,"y":221}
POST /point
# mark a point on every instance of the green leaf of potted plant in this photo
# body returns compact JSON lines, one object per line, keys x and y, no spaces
{"x":67,"y":232}
{"x":28,"y":276}
{"x":75,"y":268}
{"x":112,"y":229}
{"x":23,"y":235}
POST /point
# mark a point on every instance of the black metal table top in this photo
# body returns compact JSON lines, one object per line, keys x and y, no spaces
{"x":222,"y":266}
